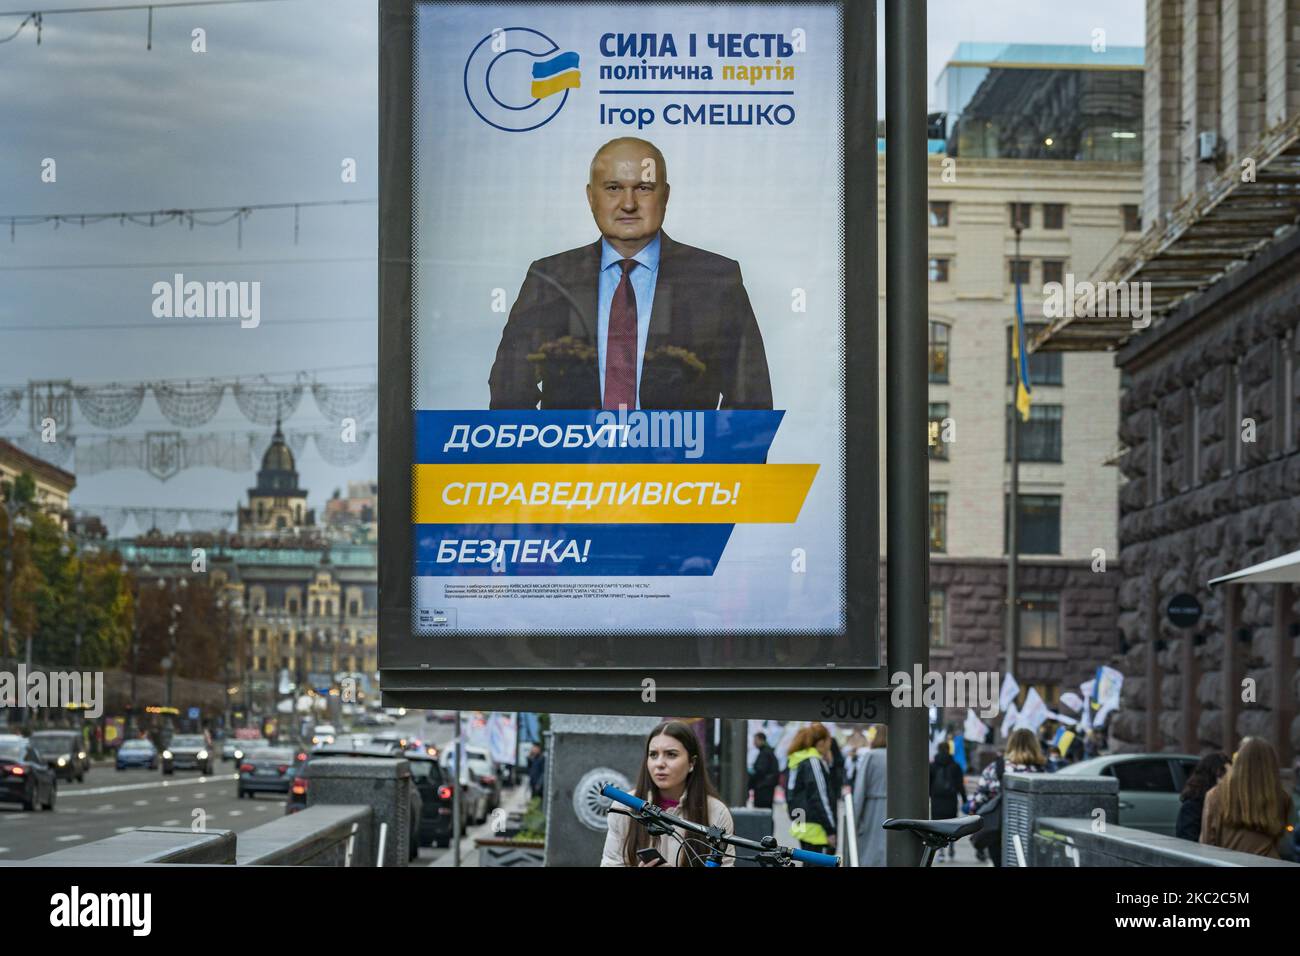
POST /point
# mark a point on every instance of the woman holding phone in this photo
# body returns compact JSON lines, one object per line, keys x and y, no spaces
{"x":673,"y":777}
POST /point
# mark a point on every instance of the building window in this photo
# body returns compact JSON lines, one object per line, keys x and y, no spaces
{"x":1288,"y":382}
{"x":1039,"y":524}
{"x":1282,"y":395}
{"x":1191,"y":441}
{"x":293,"y":605}
{"x":353,"y":609}
{"x":1132,"y":217}
{"x":1019,"y":271}
{"x":261,"y":635}
{"x":938,"y":270}
{"x":939,"y":214}
{"x":1050,"y":693}
{"x":1040,"y":621}
{"x":938,"y":521}
{"x":1045,"y":368}
{"x":939,"y":334}
{"x":938,"y":447}
{"x":1053,"y":215}
{"x":1022,"y":213}
{"x":1054,"y":271}
{"x":1040,"y":437}
{"x":1157,"y":455}
{"x":938,"y":618}
{"x":315,"y":608}
{"x":1238,"y":406}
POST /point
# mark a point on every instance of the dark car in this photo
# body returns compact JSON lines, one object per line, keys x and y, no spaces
{"x":64,"y":752}
{"x":300,"y":782}
{"x":436,"y":813}
{"x":137,"y":753}
{"x":187,"y":752}
{"x":269,"y":770}
{"x":25,"y":777}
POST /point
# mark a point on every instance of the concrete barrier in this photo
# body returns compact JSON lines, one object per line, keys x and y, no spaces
{"x":144,"y":846}
{"x":1026,"y":797}
{"x":323,"y":835}
{"x":1066,"y":841}
{"x":383,"y":784}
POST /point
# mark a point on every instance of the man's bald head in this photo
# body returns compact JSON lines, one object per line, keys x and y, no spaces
{"x":628,"y":192}
{"x":643,"y":156}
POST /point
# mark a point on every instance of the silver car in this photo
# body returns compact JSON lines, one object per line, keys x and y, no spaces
{"x":1149,"y":785}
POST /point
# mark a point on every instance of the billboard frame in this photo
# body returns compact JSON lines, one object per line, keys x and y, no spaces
{"x":830,"y":677}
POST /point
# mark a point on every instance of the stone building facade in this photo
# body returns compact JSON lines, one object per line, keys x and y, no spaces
{"x":1213,"y":468}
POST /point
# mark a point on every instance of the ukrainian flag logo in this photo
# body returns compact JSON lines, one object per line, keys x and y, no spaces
{"x":556,"y":75}
{"x":518,"y":79}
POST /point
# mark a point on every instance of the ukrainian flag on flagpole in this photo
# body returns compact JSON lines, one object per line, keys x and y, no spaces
{"x":1019,"y":355}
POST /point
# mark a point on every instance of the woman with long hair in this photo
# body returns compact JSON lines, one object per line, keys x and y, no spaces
{"x":869,"y":798}
{"x":1208,"y":772}
{"x":673,"y":776}
{"x":1248,"y":810}
{"x":1023,"y":755}
{"x":809,"y":795}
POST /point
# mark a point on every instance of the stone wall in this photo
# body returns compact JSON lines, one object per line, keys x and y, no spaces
{"x":1189,"y":515}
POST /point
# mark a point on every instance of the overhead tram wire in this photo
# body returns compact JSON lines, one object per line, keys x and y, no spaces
{"x":130,"y":6}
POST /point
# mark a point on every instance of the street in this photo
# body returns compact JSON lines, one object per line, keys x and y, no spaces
{"x":110,"y":802}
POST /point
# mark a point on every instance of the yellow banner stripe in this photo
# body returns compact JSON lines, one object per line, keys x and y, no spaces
{"x":554,"y":84}
{"x":764,"y":494}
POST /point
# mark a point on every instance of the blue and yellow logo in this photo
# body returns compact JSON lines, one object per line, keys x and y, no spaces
{"x":517,"y":79}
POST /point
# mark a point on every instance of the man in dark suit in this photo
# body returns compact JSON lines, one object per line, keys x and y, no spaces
{"x":635,"y":319}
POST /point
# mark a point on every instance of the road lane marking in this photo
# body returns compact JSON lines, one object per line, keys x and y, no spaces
{"x":170,"y":823}
{"x":236,"y":813}
{"x":173,"y":799}
{"x":125,"y":829}
{"x":139,"y":803}
{"x":68,"y":838}
{"x":121,"y":788}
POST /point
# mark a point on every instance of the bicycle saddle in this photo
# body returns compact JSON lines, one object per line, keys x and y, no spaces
{"x":938,"y":833}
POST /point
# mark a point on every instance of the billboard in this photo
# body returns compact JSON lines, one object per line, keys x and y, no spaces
{"x":622,"y":261}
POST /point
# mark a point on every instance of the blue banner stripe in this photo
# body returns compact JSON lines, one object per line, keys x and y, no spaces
{"x":733,"y":436}
{"x":592,"y":549}
{"x":557,"y":64}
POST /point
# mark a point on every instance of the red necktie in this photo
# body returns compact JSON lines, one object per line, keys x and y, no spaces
{"x":620,"y":344}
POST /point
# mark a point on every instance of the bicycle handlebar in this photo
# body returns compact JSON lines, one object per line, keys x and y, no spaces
{"x":645,"y":810}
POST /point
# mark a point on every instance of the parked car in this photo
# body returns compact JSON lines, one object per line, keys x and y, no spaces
{"x":138,"y":752}
{"x":25,"y":776}
{"x":187,"y":752}
{"x":1149,"y":785}
{"x":64,"y":751}
{"x":269,"y":770}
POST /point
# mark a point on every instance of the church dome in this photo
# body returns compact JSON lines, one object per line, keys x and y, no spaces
{"x":278,"y":457}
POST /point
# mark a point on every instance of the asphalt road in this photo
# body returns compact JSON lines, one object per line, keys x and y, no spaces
{"x":111,"y":801}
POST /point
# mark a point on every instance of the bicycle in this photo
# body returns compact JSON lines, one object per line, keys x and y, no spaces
{"x":936,"y":835}
{"x":658,"y":822}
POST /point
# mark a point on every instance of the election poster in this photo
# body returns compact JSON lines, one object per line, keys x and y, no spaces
{"x":629,"y":340}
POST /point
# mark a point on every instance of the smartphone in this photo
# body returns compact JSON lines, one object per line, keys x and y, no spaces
{"x":650,"y":855}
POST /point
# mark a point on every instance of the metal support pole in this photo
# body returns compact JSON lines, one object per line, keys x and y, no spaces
{"x":907,"y":465}
{"x":458,"y":755}
{"x":1012,"y":629}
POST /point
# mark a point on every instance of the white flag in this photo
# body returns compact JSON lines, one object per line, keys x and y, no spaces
{"x":976,"y":731}
{"x":1033,"y":713}
{"x":1072,"y":700}
{"x":1009,"y":721}
{"x":1010,"y":689}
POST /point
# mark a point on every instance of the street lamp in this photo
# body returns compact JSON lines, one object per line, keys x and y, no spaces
{"x":14,"y":517}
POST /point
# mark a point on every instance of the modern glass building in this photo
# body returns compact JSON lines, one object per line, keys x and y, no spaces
{"x":1042,"y":101}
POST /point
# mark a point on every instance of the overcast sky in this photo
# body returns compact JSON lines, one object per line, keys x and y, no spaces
{"x":285,"y":92}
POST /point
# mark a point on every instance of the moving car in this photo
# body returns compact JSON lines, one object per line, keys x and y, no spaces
{"x":269,"y":770}
{"x":1149,"y":785}
{"x":323,"y":735}
{"x":239,"y":749}
{"x":482,"y":770}
{"x":187,"y":752}
{"x":62,"y":749}
{"x":438,"y":801}
{"x":139,"y":752}
{"x":25,"y":777}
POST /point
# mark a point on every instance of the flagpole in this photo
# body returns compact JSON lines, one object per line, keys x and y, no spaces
{"x":1013,"y":499}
